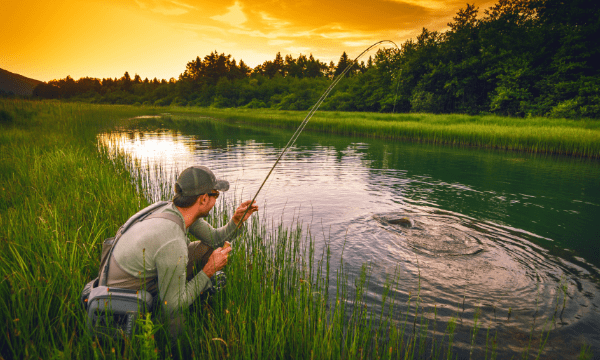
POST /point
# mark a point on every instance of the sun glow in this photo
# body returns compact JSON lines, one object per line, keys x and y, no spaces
{"x":152,"y":148}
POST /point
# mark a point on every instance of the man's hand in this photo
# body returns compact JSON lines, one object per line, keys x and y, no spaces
{"x":216,"y":261}
{"x":239,"y":212}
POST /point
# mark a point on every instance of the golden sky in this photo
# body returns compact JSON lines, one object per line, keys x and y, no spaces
{"x":51,"y":39}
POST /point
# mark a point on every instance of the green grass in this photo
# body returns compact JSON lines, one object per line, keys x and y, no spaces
{"x":61,"y":197}
{"x":543,"y":135}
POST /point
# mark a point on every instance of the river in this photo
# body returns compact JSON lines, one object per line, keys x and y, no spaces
{"x":513,"y":234}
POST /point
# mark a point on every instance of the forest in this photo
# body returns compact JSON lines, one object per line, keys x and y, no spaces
{"x":518,"y":58}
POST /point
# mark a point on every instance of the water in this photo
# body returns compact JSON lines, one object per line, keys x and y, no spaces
{"x":512,"y":234}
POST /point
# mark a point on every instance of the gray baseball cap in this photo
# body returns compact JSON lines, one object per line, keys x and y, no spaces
{"x":198,"y":180}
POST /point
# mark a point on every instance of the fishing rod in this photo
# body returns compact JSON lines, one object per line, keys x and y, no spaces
{"x":311,"y":112}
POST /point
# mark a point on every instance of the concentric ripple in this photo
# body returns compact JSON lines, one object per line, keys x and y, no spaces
{"x":453,"y":257}
{"x":434,"y":236}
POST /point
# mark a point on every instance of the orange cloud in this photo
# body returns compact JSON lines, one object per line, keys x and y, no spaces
{"x":234,"y":17}
{"x":165,"y":7}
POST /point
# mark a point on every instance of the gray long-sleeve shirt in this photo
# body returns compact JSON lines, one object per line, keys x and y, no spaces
{"x":158,"y":247}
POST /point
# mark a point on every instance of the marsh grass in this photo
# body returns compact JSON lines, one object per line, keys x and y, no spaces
{"x":60,"y":199}
{"x":540,"y":135}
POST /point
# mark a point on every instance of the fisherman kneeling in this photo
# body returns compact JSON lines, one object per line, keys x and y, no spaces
{"x":156,"y":255}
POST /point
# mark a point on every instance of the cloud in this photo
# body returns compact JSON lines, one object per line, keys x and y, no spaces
{"x":359,"y":43}
{"x":428,"y":4}
{"x":271,"y":21}
{"x":374,"y":15}
{"x":235,"y":17}
{"x":338,"y":35}
{"x":276,"y":35}
{"x":187,"y":6}
{"x":200,"y":28}
{"x":165,"y":7}
{"x":279,"y":42}
{"x":141,"y":4}
{"x":298,"y":49}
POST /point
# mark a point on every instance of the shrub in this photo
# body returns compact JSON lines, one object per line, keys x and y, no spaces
{"x":255,"y":104}
{"x":568,"y":109}
{"x":6,"y":117}
{"x":163,"y":102}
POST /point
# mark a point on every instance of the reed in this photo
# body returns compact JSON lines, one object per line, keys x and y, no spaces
{"x":61,"y":197}
{"x":541,"y":135}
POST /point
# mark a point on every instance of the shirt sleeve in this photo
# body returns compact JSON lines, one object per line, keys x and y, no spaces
{"x":175,"y":292}
{"x":215,"y":238}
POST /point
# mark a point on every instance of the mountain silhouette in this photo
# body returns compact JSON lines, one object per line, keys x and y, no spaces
{"x":17,"y":84}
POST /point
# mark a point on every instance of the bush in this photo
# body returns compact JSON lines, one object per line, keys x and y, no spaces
{"x":568,"y":109}
{"x":6,"y":117}
{"x":255,"y":104}
{"x":422,"y":101}
{"x":222,"y":102}
{"x":163,"y":102}
{"x":341,"y":101}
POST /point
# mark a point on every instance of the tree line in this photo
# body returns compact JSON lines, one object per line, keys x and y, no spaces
{"x":517,"y":58}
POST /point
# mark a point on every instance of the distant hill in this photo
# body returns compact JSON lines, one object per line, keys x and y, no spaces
{"x":18,"y":84}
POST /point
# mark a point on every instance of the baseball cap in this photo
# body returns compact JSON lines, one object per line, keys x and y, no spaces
{"x":198,"y":180}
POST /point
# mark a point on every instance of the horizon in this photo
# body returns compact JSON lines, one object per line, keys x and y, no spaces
{"x":157,"y":38}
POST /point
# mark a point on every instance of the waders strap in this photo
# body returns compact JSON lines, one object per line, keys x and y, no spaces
{"x":146,"y":213}
{"x":169,"y":216}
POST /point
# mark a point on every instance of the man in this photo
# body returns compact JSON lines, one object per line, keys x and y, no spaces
{"x":155,"y":254}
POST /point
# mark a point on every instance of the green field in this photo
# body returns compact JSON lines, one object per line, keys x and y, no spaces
{"x":61,"y":197}
{"x":543,"y":135}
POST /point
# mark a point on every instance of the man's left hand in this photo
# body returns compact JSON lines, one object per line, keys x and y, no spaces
{"x":239,"y":212}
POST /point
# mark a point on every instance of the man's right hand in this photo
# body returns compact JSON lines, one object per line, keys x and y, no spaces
{"x":216,"y":261}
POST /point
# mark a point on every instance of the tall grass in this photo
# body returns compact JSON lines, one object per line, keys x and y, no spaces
{"x":61,"y":198}
{"x":543,"y":135}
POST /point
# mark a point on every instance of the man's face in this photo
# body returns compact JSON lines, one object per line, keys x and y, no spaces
{"x":212,"y":200}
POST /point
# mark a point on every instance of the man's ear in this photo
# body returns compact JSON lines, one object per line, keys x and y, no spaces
{"x":202,"y":199}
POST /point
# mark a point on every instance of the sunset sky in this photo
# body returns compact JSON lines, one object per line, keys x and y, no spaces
{"x":48,"y":40}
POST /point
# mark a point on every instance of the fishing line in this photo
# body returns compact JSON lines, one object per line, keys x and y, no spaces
{"x":312,"y":111}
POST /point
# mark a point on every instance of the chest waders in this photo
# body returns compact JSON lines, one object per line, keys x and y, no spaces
{"x":111,"y":311}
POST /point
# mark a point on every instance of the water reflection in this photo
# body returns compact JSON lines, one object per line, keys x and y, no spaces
{"x":153,"y":147}
{"x":513,"y":234}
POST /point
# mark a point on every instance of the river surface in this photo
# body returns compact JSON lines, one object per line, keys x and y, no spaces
{"x":513,"y":234}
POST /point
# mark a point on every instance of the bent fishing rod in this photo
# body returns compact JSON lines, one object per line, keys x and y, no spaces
{"x":311,"y":112}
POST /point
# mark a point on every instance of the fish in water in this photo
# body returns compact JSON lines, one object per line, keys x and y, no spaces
{"x":432,"y":236}
{"x":403,"y":221}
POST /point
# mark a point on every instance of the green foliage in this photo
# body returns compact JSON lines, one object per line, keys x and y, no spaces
{"x":255,"y":104}
{"x":59,"y":199}
{"x":148,"y":344}
{"x":511,"y":94}
{"x":532,"y":134}
{"x":585,"y":353}
{"x":425,"y":102}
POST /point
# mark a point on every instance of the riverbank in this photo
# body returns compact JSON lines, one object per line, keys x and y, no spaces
{"x":61,"y":198}
{"x":541,"y":135}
